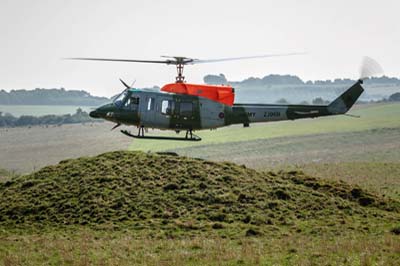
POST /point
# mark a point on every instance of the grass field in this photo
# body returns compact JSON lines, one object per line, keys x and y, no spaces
{"x":372,"y":117}
{"x":364,"y":152}
{"x":369,"y":145}
{"x":270,"y":144}
{"x":380,"y":177}
{"x":133,"y":208}
{"x":87,"y":247}
{"x":26,"y":149}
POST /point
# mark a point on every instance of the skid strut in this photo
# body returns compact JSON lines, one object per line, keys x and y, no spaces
{"x":188,"y":137}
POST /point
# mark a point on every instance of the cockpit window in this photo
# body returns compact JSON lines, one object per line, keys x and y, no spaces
{"x":119,"y":101}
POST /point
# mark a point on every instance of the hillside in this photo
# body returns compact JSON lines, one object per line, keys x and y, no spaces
{"x":172,"y":195}
{"x":276,"y":79}
{"x":50,"y":97}
{"x":273,"y":88}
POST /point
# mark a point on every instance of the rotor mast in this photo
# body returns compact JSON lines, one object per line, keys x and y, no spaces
{"x":180,"y":78}
{"x":180,"y":63}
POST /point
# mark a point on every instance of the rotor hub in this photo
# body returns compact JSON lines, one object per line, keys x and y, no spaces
{"x":179,"y":69}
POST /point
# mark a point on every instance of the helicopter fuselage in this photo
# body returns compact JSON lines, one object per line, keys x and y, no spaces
{"x":172,"y":111}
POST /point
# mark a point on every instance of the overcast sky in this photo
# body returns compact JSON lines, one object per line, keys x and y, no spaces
{"x":35,"y":35}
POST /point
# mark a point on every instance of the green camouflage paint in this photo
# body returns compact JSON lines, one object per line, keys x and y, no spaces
{"x":207,"y":114}
{"x":178,"y":121}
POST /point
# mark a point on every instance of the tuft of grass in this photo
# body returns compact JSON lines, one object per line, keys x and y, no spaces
{"x":6,"y":175}
{"x":396,"y":230}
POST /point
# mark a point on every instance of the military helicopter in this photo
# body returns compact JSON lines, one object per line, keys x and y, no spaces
{"x":182,"y":106}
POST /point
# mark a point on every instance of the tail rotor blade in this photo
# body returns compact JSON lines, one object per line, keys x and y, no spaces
{"x":370,"y":68}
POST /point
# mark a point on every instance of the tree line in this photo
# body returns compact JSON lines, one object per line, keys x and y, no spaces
{"x":274,"y":79}
{"x":395,"y":97}
{"x":80,"y":116}
{"x":50,"y":97}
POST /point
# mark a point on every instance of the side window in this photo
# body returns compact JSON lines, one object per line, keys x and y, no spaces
{"x":132,"y":102}
{"x":135,"y":100}
{"x":167,"y":107}
{"x":186,"y":109}
{"x":150,"y":104}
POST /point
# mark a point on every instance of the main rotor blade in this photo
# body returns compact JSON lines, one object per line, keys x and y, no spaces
{"x":126,"y":85}
{"x":177,"y":60}
{"x":199,"y":61}
{"x":124,"y":60}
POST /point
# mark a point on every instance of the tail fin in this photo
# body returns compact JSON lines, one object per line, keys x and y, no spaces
{"x":344,"y":102}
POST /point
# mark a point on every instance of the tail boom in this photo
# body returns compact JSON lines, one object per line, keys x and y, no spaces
{"x":254,"y":113}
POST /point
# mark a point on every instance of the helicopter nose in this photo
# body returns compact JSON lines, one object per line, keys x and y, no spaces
{"x":94,"y":114}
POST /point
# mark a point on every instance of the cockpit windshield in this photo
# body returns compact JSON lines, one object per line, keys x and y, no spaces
{"x":121,"y":99}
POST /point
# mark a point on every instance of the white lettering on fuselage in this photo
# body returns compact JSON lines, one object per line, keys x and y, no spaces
{"x":272,"y":114}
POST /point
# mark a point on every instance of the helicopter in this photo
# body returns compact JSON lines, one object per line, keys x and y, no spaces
{"x":182,"y":106}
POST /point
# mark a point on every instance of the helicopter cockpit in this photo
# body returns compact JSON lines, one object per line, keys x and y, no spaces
{"x":127,"y":100}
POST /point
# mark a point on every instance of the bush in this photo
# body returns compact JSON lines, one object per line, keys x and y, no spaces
{"x":395,"y":97}
{"x":319,"y":101}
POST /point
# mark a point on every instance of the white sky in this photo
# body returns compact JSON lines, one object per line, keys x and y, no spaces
{"x":35,"y":35}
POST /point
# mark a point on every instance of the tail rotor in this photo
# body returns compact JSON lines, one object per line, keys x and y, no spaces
{"x":370,"y":68}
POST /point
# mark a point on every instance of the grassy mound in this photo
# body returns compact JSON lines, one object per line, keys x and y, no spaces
{"x":170,"y":194}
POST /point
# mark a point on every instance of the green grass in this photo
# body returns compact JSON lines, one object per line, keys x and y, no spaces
{"x":6,"y":175}
{"x":368,"y":145}
{"x":180,"y":195}
{"x":124,"y":208}
{"x":381,"y":177}
{"x":87,"y":247}
{"x":372,"y":117}
{"x":358,"y":150}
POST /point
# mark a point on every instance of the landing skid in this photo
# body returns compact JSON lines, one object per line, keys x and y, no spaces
{"x":142,"y":136}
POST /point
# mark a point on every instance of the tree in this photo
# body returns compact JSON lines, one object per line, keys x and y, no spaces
{"x":214,"y":79}
{"x":395,"y":97}
{"x":282,"y":101}
{"x":319,"y":101}
{"x":282,"y":80}
{"x":80,"y":116}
